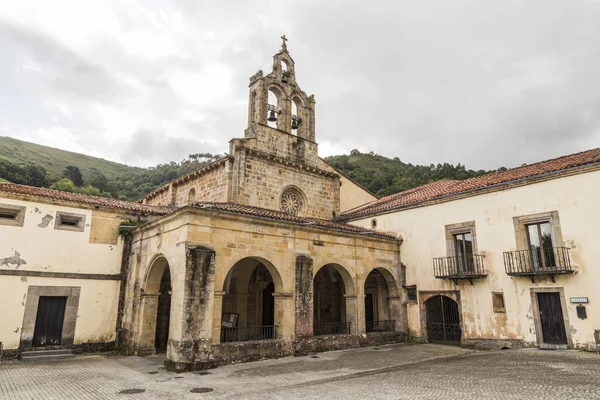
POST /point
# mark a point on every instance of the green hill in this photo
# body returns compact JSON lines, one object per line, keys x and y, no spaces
{"x":384,"y":176}
{"x":56,"y":160}
{"x":32,"y":164}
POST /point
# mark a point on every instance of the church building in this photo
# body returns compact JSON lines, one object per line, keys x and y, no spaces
{"x":271,"y":252}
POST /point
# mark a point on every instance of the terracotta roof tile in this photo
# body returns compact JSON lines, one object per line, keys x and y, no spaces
{"x":281,"y":216}
{"x":444,"y":187}
{"x":83,"y":199}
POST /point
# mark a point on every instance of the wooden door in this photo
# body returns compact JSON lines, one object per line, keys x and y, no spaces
{"x":49,"y":321}
{"x":551,"y":318}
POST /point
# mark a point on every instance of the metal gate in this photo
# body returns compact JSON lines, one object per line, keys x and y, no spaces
{"x":443,"y":320}
{"x":551,"y":318}
{"x":49,"y":321}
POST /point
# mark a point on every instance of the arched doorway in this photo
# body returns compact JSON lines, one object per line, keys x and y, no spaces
{"x":378,"y":315}
{"x":156,"y":300}
{"x":248,"y":302}
{"x":330,"y":311}
{"x":443,"y":320}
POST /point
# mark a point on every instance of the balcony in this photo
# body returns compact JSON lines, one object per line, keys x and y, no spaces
{"x":459,"y":268}
{"x":550,"y":261}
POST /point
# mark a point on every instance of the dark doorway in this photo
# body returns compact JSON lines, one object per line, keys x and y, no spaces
{"x":49,"y":321}
{"x":369,"y":308}
{"x":268,"y":309}
{"x":163,"y":313}
{"x":443,"y":320}
{"x":551,"y":318}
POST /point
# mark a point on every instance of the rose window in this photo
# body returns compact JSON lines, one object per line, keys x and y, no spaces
{"x":291,"y":202}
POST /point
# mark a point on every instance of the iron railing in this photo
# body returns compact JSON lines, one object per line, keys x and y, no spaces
{"x":331,"y":328}
{"x":248,"y":333}
{"x":381,"y":326}
{"x":538,"y":261}
{"x":459,"y":267}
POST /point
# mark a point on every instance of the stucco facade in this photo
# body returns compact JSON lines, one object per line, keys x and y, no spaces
{"x":569,"y":202}
{"x":41,"y":258}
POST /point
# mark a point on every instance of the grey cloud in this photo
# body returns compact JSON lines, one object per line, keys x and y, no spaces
{"x":480,"y":82}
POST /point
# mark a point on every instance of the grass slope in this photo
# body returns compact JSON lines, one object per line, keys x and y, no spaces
{"x":55,"y":160}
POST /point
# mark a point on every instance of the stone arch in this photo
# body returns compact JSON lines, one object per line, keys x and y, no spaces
{"x":332,"y":311}
{"x":249,"y":302}
{"x":156,"y":306}
{"x":393,"y":285}
{"x":347,"y":278}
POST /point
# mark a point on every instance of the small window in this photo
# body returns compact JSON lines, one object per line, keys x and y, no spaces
{"x":192,"y":196}
{"x":12,"y":215}
{"x":70,"y":222}
{"x":374,"y":223}
{"x":498,"y":302}
{"x":411,"y":293}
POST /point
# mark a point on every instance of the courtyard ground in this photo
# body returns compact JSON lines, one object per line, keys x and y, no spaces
{"x":402,"y":371}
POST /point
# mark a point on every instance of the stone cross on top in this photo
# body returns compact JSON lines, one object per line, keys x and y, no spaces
{"x":283,"y":44}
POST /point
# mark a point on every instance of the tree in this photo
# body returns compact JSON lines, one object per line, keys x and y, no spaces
{"x":74,"y":175}
{"x":66,"y":185}
{"x":98,"y":180}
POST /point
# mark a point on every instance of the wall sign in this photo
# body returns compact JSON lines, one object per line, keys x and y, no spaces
{"x":579,"y":300}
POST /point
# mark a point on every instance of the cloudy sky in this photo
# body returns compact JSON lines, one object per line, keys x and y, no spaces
{"x":484,"y":83}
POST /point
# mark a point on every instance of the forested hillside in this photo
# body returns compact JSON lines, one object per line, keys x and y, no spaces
{"x":36,"y":165}
{"x":383,"y":176}
{"x":32,"y":164}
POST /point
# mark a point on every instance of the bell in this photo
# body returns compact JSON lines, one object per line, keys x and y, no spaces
{"x":272,"y":116}
{"x":295,"y":122}
{"x":284,"y":77}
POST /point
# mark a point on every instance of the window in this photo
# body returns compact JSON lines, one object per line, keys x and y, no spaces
{"x":498,"y":302}
{"x":411,"y":293}
{"x":12,"y":215}
{"x":69,"y":221}
{"x":192,"y":196}
{"x":461,"y":246}
{"x":374,"y":223}
{"x":539,"y":239}
{"x":463,"y":251}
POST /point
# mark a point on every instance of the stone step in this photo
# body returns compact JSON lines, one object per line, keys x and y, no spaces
{"x":46,"y":355}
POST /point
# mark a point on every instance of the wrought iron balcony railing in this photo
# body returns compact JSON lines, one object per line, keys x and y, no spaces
{"x":457,"y":268}
{"x":248,"y":333}
{"x":331,"y":328}
{"x":538,"y":261}
{"x":381,"y":326}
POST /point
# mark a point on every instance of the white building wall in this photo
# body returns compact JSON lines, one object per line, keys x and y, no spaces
{"x":46,"y":249}
{"x":577,"y":200}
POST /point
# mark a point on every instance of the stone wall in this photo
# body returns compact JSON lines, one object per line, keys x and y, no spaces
{"x":262,"y":182}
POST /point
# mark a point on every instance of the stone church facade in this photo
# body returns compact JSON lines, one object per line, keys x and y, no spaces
{"x":250,"y":264}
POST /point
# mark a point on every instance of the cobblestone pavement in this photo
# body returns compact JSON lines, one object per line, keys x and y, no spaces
{"x":404,"y":371}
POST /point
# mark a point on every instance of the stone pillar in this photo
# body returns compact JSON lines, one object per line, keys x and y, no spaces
{"x":284,"y":306}
{"x":193,"y":349}
{"x":304,"y":296}
{"x":149,"y":309}
{"x":398,"y":313}
{"x":353,"y":313}
{"x":217,"y":315}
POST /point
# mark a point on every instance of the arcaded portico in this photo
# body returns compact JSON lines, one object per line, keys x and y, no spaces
{"x":244,"y":287}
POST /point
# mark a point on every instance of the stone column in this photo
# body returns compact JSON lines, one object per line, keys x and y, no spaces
{"x":149,"y":309}
{"x":304,"y":297}
{"x":193,"y":349}
{"x":398,"y":313}
{"x":217,"y":315}
{"x":284,"y":309}
{"x":353,"y":313}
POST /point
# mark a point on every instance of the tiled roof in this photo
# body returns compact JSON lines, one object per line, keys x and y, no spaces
{"x":83,"y":199}
{"x":281,"y":216}
{"x":443,"y":188}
